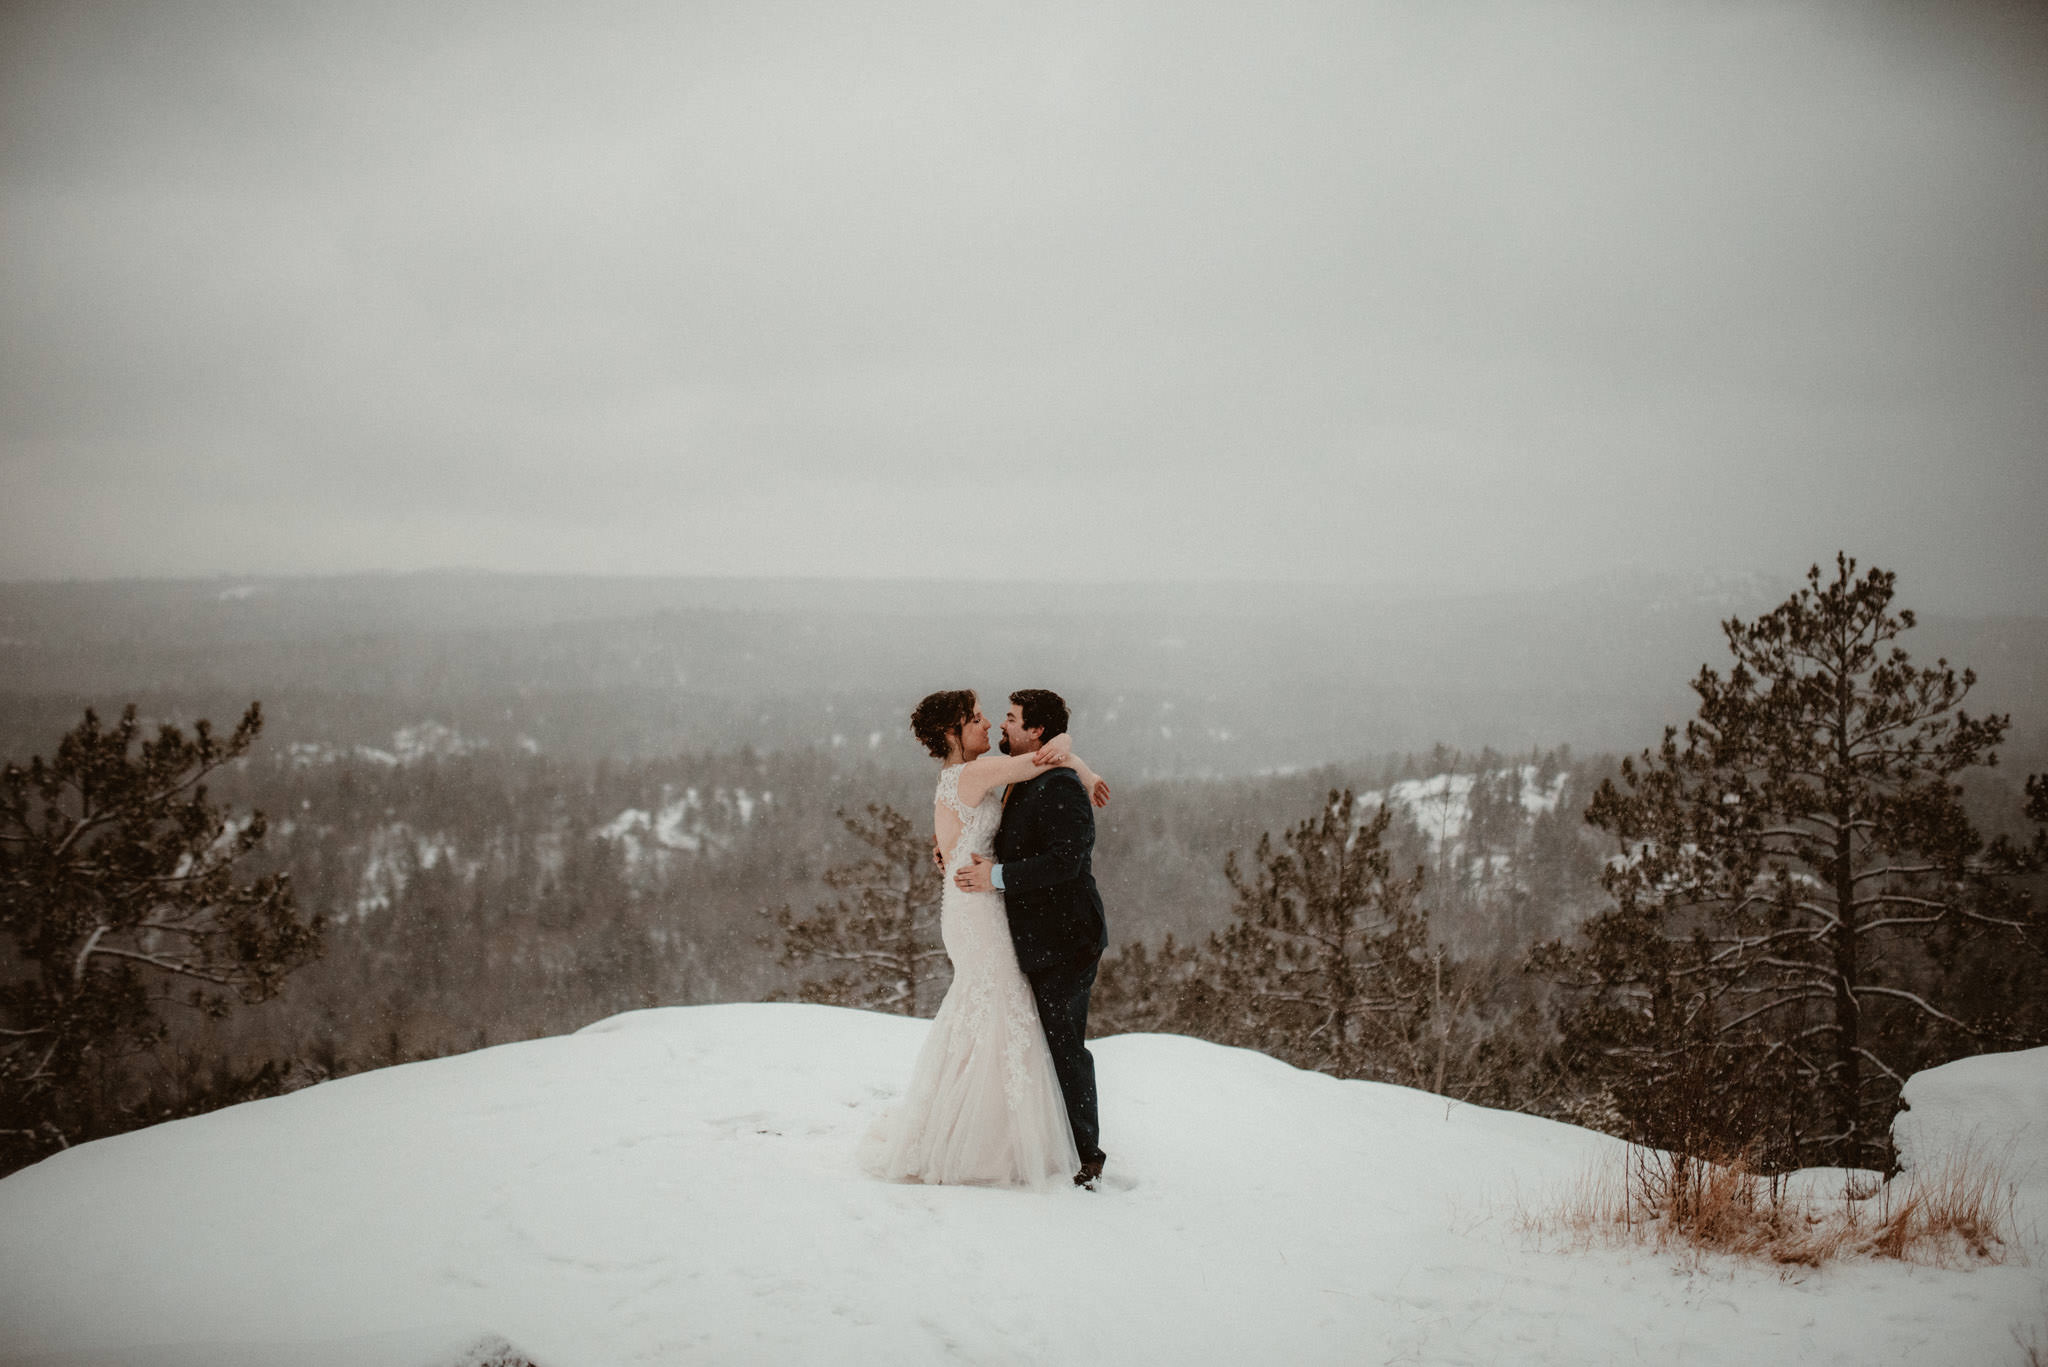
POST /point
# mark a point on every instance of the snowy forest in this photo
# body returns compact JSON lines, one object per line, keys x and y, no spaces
{"x":1465,"y":920}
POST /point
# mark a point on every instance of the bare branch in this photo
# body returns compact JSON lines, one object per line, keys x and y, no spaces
{"x":1769,"y":1007}
{"x":1886,"y":1067}
{"x":176,"y":966}
{"x":1916,"y":1000}
{"x":92,"y":941}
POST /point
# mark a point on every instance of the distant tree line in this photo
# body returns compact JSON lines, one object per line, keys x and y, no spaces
{"x":1743,"y":938}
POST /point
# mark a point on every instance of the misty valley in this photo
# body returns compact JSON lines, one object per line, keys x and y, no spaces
{"x":516,"y":806}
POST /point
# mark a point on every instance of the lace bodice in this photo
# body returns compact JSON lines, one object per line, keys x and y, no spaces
{"x":977,"y":823}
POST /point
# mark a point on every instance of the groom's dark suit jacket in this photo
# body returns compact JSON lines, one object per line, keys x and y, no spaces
{"x":1043,"y":845}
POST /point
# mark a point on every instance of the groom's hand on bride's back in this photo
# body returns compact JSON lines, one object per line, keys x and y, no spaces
{"x":975,"y":876}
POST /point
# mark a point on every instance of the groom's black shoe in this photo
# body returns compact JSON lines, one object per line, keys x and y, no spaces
{"x":1090,"y":1173}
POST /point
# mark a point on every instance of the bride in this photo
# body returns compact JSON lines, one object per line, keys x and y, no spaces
{"x":984,"y":1104}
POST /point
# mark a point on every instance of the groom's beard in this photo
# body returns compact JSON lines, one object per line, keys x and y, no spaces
{"x":1004,"y":745}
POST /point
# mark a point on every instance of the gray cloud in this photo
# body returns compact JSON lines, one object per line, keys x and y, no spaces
{"x":1448,"y":294}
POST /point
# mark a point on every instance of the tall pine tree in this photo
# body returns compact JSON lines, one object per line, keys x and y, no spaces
{"x":1781,"y":873}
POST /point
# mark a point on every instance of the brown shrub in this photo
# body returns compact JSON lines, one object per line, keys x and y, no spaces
{"x":1954,"y":1214}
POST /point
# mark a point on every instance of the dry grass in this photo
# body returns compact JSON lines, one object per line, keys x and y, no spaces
{"x":1956,"y":1214}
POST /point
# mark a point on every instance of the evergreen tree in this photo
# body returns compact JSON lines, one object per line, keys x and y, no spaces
{"x":118,"y":893}
{"x":1138,"y":991}
{"x":1780,"y":874}
{"x":883,"y":938}
{"x":1327,"y":962}
{"x":2037,"y":812}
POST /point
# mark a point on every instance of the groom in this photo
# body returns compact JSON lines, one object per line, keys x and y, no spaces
{"x":1055,"y":913}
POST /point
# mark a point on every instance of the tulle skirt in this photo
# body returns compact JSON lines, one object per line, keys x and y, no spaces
{"x":984,"y":1105}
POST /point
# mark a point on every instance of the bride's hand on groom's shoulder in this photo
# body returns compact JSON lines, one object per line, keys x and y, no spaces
{"x":1058,"y":750}
{"x":1099,"y":794}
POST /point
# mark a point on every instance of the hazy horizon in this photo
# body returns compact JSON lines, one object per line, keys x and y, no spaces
{"x":1759,"y":588}
{"x":1388,"y":298}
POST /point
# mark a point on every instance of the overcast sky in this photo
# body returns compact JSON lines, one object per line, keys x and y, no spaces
{"x":1480,"y":295}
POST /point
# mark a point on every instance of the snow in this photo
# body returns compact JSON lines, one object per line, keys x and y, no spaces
{"x":631,"y":820}
{"x":1995,"y":1105}
{"x":680,"y":824}
{"x":1441,"y":805}
{"x":670,"y":826}
{"x":431,"y":740}
{"x":643,"y":834}
{"x":678,"y":1185}
{"x":1539,"y":798}
{"x":409,"y":745}
{"x":393,"y":850}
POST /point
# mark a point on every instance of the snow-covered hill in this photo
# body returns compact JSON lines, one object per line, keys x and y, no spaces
{"x":678,"y":1186}
{"x":1441,"y":805}
{"x":685,"y":821}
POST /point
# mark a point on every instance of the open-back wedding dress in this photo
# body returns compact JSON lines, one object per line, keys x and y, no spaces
{"x":984,"y":1105}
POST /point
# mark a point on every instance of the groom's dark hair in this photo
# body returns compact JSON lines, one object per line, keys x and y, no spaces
{"x":1043,"y":710}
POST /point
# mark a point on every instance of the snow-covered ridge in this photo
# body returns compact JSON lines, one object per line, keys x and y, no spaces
{"x":1441,"y":805}
{"x":409,"y":745}
{"x":395,"y":851}
{"x":679,"y":1185}
{"x":686,"y":821}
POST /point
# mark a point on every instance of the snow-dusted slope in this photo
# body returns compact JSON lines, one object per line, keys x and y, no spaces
{"x":678,"y":1186}
{"x":1993,"y":1105}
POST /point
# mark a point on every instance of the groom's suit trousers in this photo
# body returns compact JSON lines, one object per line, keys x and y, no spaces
{"x":1062,"y":992}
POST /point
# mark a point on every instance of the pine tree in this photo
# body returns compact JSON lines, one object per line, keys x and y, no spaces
{"x":1780,"y":874}
{"x":117,"y":890}
{"x":1327,"y":964}
{"x":2037,"y":812}
{"x":1138,"y":991}
{"x":883,"y":939}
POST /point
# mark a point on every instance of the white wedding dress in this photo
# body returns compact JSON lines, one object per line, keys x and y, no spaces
{"x":984,"y":1105}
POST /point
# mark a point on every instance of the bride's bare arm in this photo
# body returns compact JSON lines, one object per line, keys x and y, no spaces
{"x":977,"y":777}
{"x":1096,"y":784}
{"x":1057,"y":750}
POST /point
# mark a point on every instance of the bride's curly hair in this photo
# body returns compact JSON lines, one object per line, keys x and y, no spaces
{"x":941,"y":715}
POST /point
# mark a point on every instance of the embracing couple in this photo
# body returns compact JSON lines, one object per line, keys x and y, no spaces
{"x":1003,"y":1092}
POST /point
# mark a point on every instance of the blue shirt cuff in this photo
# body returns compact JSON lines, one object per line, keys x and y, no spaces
{"x":995,"y":875}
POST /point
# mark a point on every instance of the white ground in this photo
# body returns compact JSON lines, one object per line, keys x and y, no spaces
{"x":677,"y":1186}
